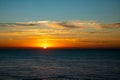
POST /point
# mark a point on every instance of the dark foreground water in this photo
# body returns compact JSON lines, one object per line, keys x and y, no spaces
{"x":59,"y":64}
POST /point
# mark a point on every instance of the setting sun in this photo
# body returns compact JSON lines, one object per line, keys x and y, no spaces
{"x":44,"y":47}
{"x":44,"y":44}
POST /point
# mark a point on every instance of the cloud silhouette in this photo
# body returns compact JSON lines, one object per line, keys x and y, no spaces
{"x":59,"y":27}
{"x":72,"y":24}
{"x":63,"y":24}
{"x":114,"y":25}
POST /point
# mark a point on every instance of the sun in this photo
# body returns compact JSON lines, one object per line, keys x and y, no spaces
{"x":44,"y":47}
{"x":44,"y":44}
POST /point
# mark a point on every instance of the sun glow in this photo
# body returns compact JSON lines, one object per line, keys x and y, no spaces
{"x":43,"y":44}
{"x":44,"y":47}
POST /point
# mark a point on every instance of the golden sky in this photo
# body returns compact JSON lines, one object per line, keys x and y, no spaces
{"x":75,"y":33}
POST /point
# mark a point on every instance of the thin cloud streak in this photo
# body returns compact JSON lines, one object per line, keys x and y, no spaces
{"x":63,"y":24}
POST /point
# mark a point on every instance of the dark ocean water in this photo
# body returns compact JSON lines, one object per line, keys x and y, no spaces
{"x":59,"y":64}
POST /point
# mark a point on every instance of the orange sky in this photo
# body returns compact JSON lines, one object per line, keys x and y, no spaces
{"x":82,"y":34}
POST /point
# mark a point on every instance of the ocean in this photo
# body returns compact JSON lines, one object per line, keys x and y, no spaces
{"x":59,"y":64}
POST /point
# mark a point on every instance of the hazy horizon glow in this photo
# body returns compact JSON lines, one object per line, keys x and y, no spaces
{"x":60,"y":34}
{"x":60,"y":23}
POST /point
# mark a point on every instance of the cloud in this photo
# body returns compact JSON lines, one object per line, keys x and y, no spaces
{"x":70,"y":24}
{"x":73,"y":24}
{"x":63,"y":24}
{"x":59,"y":28}
{"x":114,"y":25}
{"x":94,"y":41}
{"x":54,"y":24}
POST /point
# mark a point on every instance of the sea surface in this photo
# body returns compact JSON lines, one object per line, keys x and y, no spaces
{"x":59,"y":64}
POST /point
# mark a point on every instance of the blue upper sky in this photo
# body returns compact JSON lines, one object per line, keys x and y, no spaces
{"x":105,"y":11}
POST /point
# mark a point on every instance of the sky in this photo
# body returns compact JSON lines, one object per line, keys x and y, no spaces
{"x":60,"y":23}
